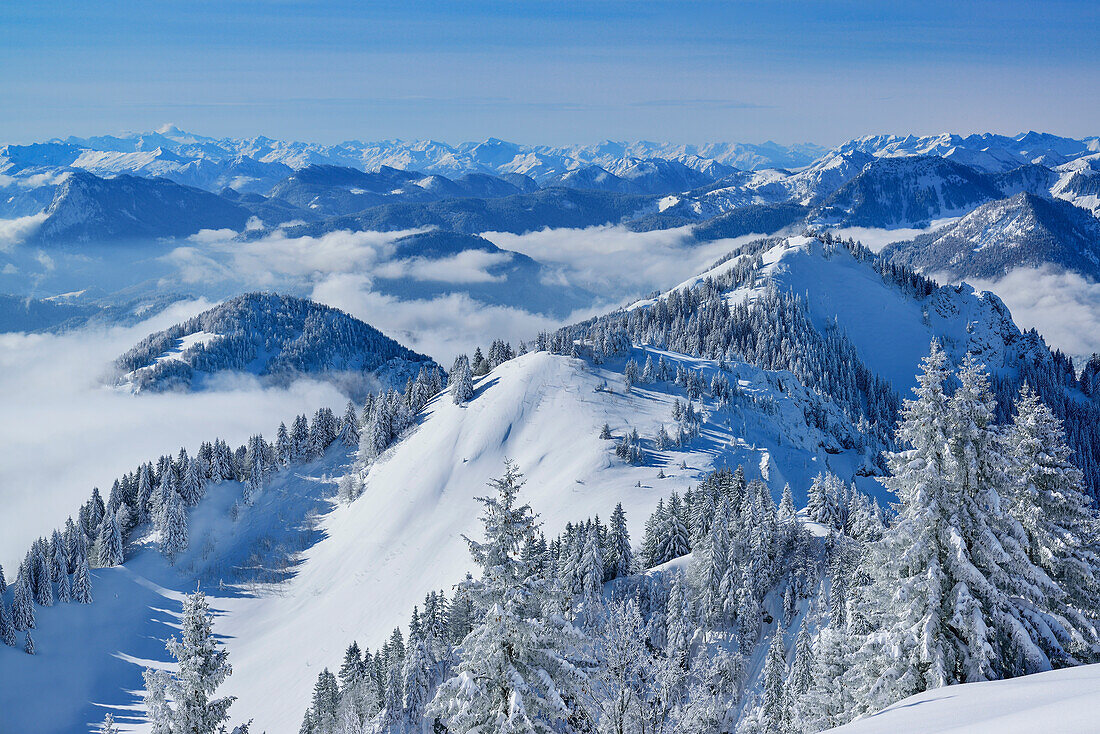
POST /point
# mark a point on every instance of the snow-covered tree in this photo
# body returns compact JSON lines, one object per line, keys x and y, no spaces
{"x":110,"y":542}
{"x":108,"y":725}
{"x":1047,"y":497}
{"x":619,"y":558}
{"x":7,"y":625}
{"x":22,"y":606}
{"x":82,"y":583}
{"x":517,"y":670}
{"x":774,"y":704}
{"x":461,"y":380}
{"x":617,"y":686}
{"x":183,"y":701}
{"x":173,"y":533}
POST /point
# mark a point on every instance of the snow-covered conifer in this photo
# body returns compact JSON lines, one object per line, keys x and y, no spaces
{"x":82,"y":583}
{"x":173,"y":533}
{"x":22,"y":607}
{"x":461,"y":380}
{"x":619,"y":558}
{"x":110,"y":542}
{"x":203,"y":666}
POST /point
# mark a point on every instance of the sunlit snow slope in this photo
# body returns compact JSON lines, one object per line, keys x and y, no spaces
{"x":368,"y":563}
{"x":1063,"y":701}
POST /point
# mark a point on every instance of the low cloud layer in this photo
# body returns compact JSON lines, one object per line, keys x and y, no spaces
{"x":1063,"y":306}
{"x":616,"y":262}
{"x":62,"y":432}
{"x":14,"y":231}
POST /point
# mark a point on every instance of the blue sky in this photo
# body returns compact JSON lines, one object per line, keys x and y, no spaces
{"x":552,"y":72}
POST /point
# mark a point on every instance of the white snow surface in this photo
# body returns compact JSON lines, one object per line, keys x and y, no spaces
{"x":1059,"y":701}
{"x":368,"y":563}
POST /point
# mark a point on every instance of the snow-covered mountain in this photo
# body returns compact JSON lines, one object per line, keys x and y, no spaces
{"x":791,"y":353}
{"x":985,"y":152}
{"x":86,"y":208}
{"x":169,"y":150}
{"x":276,"y":338}
{"x":995,"y":238}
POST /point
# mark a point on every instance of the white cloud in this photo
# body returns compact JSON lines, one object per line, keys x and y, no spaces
{"x":615,"y":262}
{"x":1063,"y":306}
{"x":62,"y":432}
{"x":14,"y":231}
{"x":470,"y":266}
{"x":440,"y":327}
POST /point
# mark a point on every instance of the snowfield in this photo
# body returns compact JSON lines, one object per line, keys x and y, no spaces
{"x":1065,"y":701}
{"x":366,"y":564}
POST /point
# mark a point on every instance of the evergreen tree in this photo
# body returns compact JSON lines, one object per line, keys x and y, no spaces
{"x":1047,"y":498}
{"x":28,"y":643}
{"x":7,"y":625}
{"x":203,"y":666}
{"x":173,"y":538}
{"x":774,"y":711}
{"x":82,"y":583}
{"x":416,"y":678}
{"x":786,"y":505}
{"x":110,"y":542}
{"x":349,"y":427}
{"x":517,"y":670}
{"x":461,"y":381}
{"x":619,"y":559}
{"x":192,"y":485}
{"x":22,"y":608}
{"x":108,"y":725}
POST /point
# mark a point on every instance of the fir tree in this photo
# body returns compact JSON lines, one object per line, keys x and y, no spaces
{"x":1048,"y":499}
{"x":516,"y":671}
{"x":203,"y":666}
{"x":619,"y":559}
{"x":7,"y":626}
{"x":461,"y":381}
{"x":108,"y":725}
{"x":22,"y":608}
{"x":173,"y":538}
{"x":82,"y":583}
{"x":774,"y":711}
{"x":110,"y":542}
{"x":28,"y":643}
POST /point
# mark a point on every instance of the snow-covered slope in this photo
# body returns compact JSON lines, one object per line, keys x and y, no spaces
{"x":367,"y":563}
{"x":1063,"y":701}
{"x":889,"y":327}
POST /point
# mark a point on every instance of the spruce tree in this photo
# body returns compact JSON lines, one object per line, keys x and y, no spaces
{"x":22,"y":607}
{"x":28,"y":643}
{"x":518,"y":670}
{"x":203,"y":666}
{"x":82,"y":583}
{"x":461,"y":381}
{"x":1047,"y":497}
{"x":110,"y":542}
{"x":774,"y":709}
{"x":620,"y":558}
{"x":173,"y":539}
{"x":7,"y":626}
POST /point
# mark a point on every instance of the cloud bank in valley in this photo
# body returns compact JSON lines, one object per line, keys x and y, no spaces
{"x":340,"y":269}
{"x":62,"y":432}
{"x":1063,"y":306}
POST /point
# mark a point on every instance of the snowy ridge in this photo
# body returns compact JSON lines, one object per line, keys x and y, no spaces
{"x":401,"y":538}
